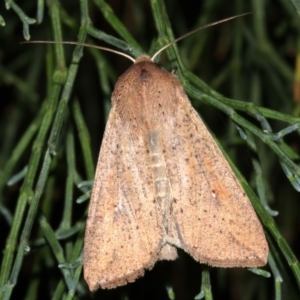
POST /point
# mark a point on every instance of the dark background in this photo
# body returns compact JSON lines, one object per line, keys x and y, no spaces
{"x":252,"y":60}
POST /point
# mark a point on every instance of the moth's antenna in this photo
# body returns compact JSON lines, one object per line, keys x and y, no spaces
{"x":195,"y":30}
{"x":127,"y":56}
{"x":81,"y":44}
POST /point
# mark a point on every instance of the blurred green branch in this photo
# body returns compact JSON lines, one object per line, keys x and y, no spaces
{"x":59,"y":123}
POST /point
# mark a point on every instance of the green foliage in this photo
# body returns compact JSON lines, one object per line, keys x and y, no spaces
{"x":54,"y":104}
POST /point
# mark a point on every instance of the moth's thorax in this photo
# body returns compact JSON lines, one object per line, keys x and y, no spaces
{"x":145,"y":94}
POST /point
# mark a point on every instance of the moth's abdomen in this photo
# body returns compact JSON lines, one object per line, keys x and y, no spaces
{"x":160,"y":178}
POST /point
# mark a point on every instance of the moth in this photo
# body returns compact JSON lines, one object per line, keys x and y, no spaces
{"x":162,"y":183}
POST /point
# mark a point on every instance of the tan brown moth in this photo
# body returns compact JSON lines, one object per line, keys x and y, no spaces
{"x":162,"y":183}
